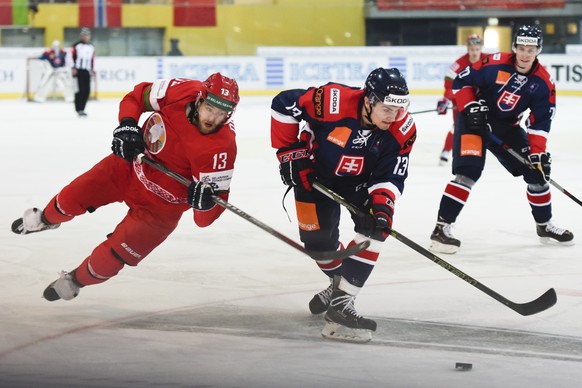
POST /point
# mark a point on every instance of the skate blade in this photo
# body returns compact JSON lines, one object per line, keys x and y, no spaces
{"x":438,"y":247}
{"x":556,"y":243}
{"x":337,"y":332}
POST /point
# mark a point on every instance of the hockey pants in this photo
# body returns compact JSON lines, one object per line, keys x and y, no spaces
{"x":146,"y":225}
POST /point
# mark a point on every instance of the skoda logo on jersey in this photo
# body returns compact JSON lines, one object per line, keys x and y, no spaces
{"x":507,"y":101}
{"x":155,"y":133}
{"x":334,"y":101}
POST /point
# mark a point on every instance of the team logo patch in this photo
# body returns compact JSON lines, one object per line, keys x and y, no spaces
{"x":339,"y":136}
{"x":307,"y":216}
{"x":471,"y":145}
{"x":154,"y":133}
{"x":507,"y":101}
{"x":502,"y":77}
{"x":350,"y":165}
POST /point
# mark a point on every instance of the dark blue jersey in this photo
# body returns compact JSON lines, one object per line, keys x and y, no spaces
{"x":56,"y":59}
{"x":346,"y":153}
{"x":508,"y":94}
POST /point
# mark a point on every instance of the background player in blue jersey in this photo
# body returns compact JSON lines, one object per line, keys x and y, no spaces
{"x":493,"y":95}
{"x":356,"y":142}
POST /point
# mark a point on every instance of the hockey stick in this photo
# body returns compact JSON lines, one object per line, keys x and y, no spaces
{"x":423,"y":111}
{"x":545,"y":301}
{"x":528,"y":164}
{"x":315,"y":255}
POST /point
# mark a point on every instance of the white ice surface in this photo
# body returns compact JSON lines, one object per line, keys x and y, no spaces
{"x":226,"y":306}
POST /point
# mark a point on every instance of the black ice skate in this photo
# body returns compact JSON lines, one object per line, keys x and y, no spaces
{"x":64,"y":288}
{"x":550,"y":233}
{"x":32,"y":221}
{"x":320,"y":301}
{"x":343,"y":322}
{"x":442,"y":239}
{"x":444,"y":158}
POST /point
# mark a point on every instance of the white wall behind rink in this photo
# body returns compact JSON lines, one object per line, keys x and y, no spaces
{"x":277,"y":70}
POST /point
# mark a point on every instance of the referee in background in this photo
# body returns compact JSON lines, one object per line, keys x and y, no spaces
{"x":83,"y":55}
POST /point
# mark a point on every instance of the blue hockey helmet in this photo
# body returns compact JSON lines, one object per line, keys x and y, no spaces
{"x":528,"y":36}
{"x":387,"y":86}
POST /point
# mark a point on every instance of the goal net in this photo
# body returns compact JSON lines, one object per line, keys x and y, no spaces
{"x":43,"y":82}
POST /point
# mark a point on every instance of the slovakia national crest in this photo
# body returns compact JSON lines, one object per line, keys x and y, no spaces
{"x":155,"y":133}
{"x":507,"y":101}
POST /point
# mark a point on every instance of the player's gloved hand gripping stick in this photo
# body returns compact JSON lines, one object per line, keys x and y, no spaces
{"x":315,"y":255}
{"x":530,"y":164}
{"x":547,"y":300}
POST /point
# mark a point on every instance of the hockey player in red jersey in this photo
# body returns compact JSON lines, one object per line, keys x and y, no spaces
{"x":188,"y":129}
{"x":493,"y":95}
{"x":356,"y":142}
{"x":473,"y":55}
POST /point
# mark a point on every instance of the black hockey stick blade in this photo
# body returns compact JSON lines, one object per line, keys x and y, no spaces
{"x":544,"y":302}
{"x":315,"y":255}
{"x":340,"y":254}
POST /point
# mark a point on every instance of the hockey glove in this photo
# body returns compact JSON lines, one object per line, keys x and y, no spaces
{"x":200,"y":196}
{"x":127,"y":140}
{"x":295,"y":166}
{"x":543,"y":163}
{"x":442,"y":106}
{"x":476,"y":117}
{"x":380,"y":219}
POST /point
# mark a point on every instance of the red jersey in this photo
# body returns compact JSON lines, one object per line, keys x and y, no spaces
{"x":451,"y":74}
{"x":175,"y":142}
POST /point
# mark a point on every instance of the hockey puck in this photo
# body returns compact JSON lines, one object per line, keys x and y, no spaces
{"x":463,"y":366}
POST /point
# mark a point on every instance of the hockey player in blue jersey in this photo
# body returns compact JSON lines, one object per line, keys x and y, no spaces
{"x":356,"y":142}
{"x":493,"y":95}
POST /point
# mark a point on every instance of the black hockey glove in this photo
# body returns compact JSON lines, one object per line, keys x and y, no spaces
{"x":379,"y":222}
{"x":476,"y":117}
{"x":442,"y":106}
{"x":543,"y":163}
{"x":200,"y":196}
{"x":296,"y":168}
{"x":127,"y":140}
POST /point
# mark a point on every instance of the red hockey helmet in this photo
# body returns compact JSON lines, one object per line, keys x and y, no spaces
{"x":221,"y":92}
{"x":473,"y":39}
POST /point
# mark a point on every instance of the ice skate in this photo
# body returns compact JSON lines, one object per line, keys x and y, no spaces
{"x":32,"y":221}
{"x":320,"y":301}
{"x":551,"y":234}
{"x":442,"y":239}
{"x":444,"y":158}
{"x":343,"y":323}
{"x":63,"y":288}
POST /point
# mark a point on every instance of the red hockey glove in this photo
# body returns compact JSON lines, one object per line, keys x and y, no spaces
{"x":476,"y":117}
{"x":380,"y":219}
{"x":295,"y":165}
{"x":543,"y":163}
{"x":442,"y":106}
{"x":127,"y":140}
{"x":200,"y":196}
